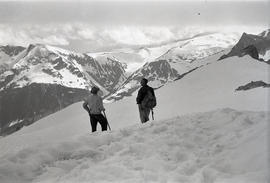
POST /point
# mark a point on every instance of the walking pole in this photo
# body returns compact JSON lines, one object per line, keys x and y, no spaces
{"x":107,"y":120}
{"x":152,"y":114}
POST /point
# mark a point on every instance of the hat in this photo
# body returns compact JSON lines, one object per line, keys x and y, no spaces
{"x":94,"y":90}
{"x":144,"y":81}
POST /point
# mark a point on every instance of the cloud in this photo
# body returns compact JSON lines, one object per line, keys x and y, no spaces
{"x":53,"y":34}
{"x":86,"y":34}
{"x":62,"y":34}
{"x":136,"y":35}
{"x":84,"y":37}
{"x":54,"y":40}
{"x":24,"y":35}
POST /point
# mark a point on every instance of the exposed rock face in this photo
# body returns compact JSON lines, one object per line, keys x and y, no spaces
{"x":252,"y":51}
{"x":8,"y":55}
{"x":100,"y":71}
{"x":158,"y":73}
{"x":11,"y":50}
{"x":24,"y":106}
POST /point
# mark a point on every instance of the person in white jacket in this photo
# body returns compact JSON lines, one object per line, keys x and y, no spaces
{"x":94,"y":106}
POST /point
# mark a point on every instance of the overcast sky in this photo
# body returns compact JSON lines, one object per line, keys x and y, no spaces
{"x":93,"y":26}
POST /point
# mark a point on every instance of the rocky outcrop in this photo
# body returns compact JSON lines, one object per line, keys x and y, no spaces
{"x":253,"y":45}
{"x":252,"y":85}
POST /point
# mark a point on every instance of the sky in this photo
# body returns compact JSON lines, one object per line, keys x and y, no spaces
{"x":91,"y":26}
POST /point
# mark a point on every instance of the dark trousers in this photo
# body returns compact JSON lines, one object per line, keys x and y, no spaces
{"x":95,"y":118}
{"x":144,"y":113}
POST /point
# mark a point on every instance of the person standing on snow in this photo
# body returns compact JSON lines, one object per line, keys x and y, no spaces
{"x":146,"y":100}
{"x":94,"y":106}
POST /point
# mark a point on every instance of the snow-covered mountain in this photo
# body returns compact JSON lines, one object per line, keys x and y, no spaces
{"x":50,"y":78}
{"x":175,"y":60}
{"x":51,"y":65}
{"x":223,"y":145}
{"x":187,"y":48}
{"x":257,"y":46}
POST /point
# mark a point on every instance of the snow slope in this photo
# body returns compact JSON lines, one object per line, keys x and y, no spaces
{"x":214,"y":87}
{"x":220,"y":146}
{"x":217,"y":146}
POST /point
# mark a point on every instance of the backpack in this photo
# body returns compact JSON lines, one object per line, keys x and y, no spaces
{"x":149,"y":101}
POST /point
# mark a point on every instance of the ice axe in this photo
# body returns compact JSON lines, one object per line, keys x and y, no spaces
{"x":107,"y":120}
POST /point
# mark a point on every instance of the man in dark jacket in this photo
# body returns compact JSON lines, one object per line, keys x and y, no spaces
{"x":144,"y":111}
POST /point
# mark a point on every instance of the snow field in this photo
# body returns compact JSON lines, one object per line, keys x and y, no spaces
{"x":219,"y":146}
